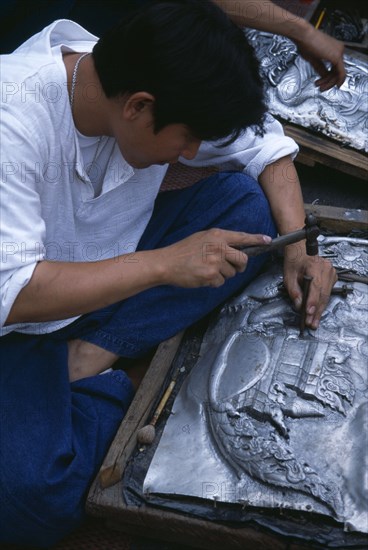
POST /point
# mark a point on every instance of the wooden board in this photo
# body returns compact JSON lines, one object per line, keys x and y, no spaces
{"x":137,"y":416}
{"x":338,"y":220}
{"x":105,"y":498}
{"x":317,"y":149}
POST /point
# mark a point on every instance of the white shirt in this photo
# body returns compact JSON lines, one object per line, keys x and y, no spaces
{"x":50,"y":209}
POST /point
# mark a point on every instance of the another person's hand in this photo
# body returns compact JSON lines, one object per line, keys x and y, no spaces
{"x":206,"y":258}
{"x":325,"y":54}
{"x":296,"y":265}
{"x":318,"y":48}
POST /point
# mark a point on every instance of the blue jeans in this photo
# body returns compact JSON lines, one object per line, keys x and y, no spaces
{"x":53,"y":434}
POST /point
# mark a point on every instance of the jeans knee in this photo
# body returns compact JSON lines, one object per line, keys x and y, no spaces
{"x":251,"y":209}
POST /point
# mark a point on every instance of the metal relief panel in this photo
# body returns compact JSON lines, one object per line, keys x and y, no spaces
{"x":272,"y":420}
{"x":340,"y":113}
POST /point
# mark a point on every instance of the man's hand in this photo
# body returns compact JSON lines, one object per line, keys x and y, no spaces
{"x":207,"y":258}
{"x":297,"y":264}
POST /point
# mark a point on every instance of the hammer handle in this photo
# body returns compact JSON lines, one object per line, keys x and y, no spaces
{"x":276,"y":244}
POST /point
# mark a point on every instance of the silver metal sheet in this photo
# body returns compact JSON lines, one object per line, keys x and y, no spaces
{"x":269,"y":419}
{"x":339,"y":113}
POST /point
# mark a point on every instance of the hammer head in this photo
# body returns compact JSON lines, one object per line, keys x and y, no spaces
{"x":311,"y":234}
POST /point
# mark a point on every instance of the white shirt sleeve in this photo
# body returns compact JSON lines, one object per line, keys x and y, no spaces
{"x":22,"y":229}
{"x":250,"y":153}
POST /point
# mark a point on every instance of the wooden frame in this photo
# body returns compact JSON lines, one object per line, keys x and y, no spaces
{"x":317,"y":149}
{"x":105,"y":498}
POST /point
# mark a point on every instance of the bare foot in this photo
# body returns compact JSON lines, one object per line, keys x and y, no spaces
{"x":137,"y":370}
{"x":86,"y":359}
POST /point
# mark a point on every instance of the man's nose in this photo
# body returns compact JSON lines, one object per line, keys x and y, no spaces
{"x":191,"y":149}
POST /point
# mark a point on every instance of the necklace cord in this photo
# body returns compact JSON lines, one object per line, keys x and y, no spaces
{"x":71,"y":100}
{"x":74,"y":79}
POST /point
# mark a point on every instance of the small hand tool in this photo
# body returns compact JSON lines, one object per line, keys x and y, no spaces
{"x":346,"y":275}
{"x":147,"y":434}
{"x":343,"y":290}
{"x":309,"y":232}
{"x":303,"y":311}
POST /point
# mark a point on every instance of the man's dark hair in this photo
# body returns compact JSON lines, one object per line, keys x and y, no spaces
{"x":195,"y":62}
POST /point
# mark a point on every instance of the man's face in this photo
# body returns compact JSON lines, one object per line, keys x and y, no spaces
{"x":141,"y":147}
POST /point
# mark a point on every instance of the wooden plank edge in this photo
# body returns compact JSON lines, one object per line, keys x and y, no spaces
{"x":125,"y":440}
{"x":310,"y":157}
{"x":322,"y":150}
{"x":172,"y":526}
{"x":327,"y":147}
{"x":339,"y":220}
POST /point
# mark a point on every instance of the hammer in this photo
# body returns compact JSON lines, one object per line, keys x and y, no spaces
{"x":309,"y":232}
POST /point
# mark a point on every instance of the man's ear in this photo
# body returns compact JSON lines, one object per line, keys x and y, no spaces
{"x":137,"y":104}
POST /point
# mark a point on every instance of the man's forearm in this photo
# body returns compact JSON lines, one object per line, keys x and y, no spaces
{"x":280,"y":184}
{"x":60,"y":290}
{"x":265,"y":15}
